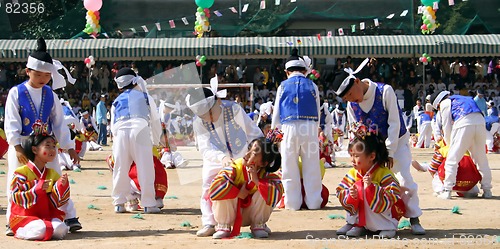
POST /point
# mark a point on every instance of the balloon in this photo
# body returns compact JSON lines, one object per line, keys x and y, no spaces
{"x":420,"y":59}
{"x":198,"y":63}
{"x":427,"y":22}
{"x":204,"y":4}
{"x":423,"y":27}
{"x":317,"y":75}
{"x":199,"y":9}
{"x":206,"y":10}
{"x":313,"y":71}
{"x":430,"y":25}
{"x":208,"y":15}
{"x":203,"y":58}
{"x":86,"y":61}
{"x":429,"y":59}
{"x":424,"y":60}
{"x":204,"y":63}
{"x":198,"y":57}
{"x":429,"y":2}
{"x":311,"y":76}
{"x":424,"y":55}
{"x":92,"y":5}
{"x":198,"y":28}
{"x":424,"y":18}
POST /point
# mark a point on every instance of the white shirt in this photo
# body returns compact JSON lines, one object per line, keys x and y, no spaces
{"x":447,"y":123}
{"x":390,"y":105}
{"x":415,"y":110}
{"x":13,"y":122}
{"x":276,"y":121}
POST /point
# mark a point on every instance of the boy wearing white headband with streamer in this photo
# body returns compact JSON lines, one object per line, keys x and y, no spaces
{"x":136,"y":127}
{"x":223,"y":132}
{"x":33,"y":100}
{"x":376,"y":103}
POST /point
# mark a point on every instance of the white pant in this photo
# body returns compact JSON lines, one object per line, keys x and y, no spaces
{"x":437,"y":186}
{"x":374,"y":221}
{"x":209,"y":172}
{"x":495,"y":127}
{"x":257,"y":213}
{"x":126,"y":150}
{"x":35,"y":230}
{"x":301,"y":139}
{"x":68,"y":208}
{"x":425,"y":135}
{"x":401,"y":169}
{"x":471,"y":138}
{"x":84,"y":149}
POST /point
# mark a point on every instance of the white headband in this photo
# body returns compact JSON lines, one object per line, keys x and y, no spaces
{"x":203,"y":106}
{"x":58,"y":80}
{"x":438,"y":99}
{"x":308,"y":63}
{"x":296,"y":63}
{"x":128,"y":79}
{"x":351,"y":73}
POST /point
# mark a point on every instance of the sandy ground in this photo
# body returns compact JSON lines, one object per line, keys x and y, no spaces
{"x":477,"y":226}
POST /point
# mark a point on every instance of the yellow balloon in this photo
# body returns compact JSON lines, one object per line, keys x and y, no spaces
{"x":433,"y":16}
{"x":199,"y":28}
{"x":207,"y":23}
{"x":429,"y":8}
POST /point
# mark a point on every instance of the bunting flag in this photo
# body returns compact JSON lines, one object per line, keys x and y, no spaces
{"x":217,"y":13}
{"x":362,"y":26}
{"x":376,"y":22}
{"x":299,"y":42}
{"x":172,"y":24}
{"x":451,"y":2}
{"x":390,"y":16}
{"x":329,"y":34}
{"x":233,"y":9}
{"x":404,"y":13}
{"x":245,"y":8}
{"x":133,"y":30}
{"x":185,"y":21}
{"x":263,"y":4}
{"x":105,"y":35}
{"x":14,"y":52}
{"x":293,"y":1}
{"x":158,"y":26}
{"x":93,"y":36}
{"x":435,"y":6}
{"x":319,"y":37}
{"x":145,"y":28}
{"x":420,"y":10}
{"x":353,"y":28}
{"x":341,"y":31}
{"x":277,"y":2}
{"x":289,"y":43}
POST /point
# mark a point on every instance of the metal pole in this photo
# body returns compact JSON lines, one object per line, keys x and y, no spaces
{"x":239,"y":9}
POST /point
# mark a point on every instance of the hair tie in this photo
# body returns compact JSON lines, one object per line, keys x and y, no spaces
{"x":361,"y":130}
{"x":40,"y":128}
{"x":274,"y":136}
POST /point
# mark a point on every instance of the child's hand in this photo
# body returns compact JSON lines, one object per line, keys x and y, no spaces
{"x":390,"y":163}
{"x":46,"y":185}
{"x":20,"y":155}
{"x":243,"y":193}
{"x":64,"y":179}
{"x":353,"y":192}
{"x":367,"y":180}
{"x":227,"y":161}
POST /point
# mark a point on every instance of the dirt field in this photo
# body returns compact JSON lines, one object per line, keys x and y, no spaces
{"x":477,"y":226}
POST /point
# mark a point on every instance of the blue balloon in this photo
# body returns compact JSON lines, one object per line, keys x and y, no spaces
{"x":204,"y":3}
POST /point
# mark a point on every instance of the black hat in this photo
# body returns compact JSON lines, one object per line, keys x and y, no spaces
{"x":339,"y":86}
{"x":39,"y":59}
{"x":480,"y":91}
{"x":295,"y":62}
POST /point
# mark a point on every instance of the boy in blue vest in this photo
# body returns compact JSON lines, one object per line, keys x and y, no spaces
{"x":424,"y":129}
{"x":136,"y":127}
{"x":296,"y":113}
{"x":464,"y":130}
{"x":376,"y":103}
{"x":33,"y":100}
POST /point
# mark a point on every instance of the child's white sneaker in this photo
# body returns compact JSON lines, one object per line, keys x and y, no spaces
{"x":487,"y":194}
{"x":260,"y":233}
{"x":343,"y":230}
{"x":120,"y":208}
{"x":207,"y":230}
{"x":152,"y":210}
{"x":445,"y":195}
{"x":355,"y":232}
{"x":387,"y":234}
{"x":132,"y":205}
{"x":222,"y":234}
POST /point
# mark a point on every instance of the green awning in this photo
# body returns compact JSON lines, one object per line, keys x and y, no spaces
{"x":258,"y":47}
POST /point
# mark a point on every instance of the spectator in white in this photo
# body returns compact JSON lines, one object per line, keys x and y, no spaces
{"x":428,"y":105}
{"x":418,"y":107}
{"x":104,"y":76}
{"x":440,"y":86}
{"x":400,"y":93}
{"x":240,"y":71}
{"x":102,"y":121}
{"x":455,"y":70}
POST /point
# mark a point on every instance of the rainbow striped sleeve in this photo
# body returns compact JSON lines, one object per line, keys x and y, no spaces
{"x":382,"y":197}
{"x":436,"y":161}
{"x":223,"y":186}
{"x":59,"y":195}
{"x":23,"y":192}
{"x":343,"y":194}
{"x":271,"y":188}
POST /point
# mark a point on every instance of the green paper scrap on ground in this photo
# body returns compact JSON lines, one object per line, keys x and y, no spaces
{"x":77,"y":170}
{"x":100,"y":173}
{"x":244,"y":235}
{"x":185,"y":224}
{"x":137,"y":216}
{"x":171,"y":197}
{"x":102,"y":187}
{"x":72,"y":181}
{"x":2,"y":172}
{"x":498,"y":238}
{"x":456,"y":210}
{"x":404,"y":224}
{"x":91,"y":206}
{"x":336,"y":216}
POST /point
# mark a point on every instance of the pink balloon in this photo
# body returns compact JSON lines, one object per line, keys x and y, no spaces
{"x":198,"y":63}
{"x":316,"y":75}
{"x":424,"y":59}
{"x":86,"y":61}
{"x":424,"y":27}
{"x":420,"y":59}
{"x":206,"y":10}
{"x":313,"y":71}
{"x":92,"y":5}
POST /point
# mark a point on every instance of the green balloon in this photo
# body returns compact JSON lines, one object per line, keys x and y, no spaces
{"x":196,"y":23}
{"x":199,"y":9}
{"x":429,"y":26}
{"x":425,"y":55}
{"x":205,"y":4}
{"x":203,"y":58}
{"x":427,"y":22}
{"x":429,"y":59}
{"x":424,"y":18}
{"x":429,"y":2}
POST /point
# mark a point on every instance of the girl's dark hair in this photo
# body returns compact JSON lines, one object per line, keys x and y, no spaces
{"x":198,"y":94}
{"x":372,"y":143}
{"x":33,"y":140}
{"x":270,"y":153}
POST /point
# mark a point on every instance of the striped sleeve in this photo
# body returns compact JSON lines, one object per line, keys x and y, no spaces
{"x":23,"y":192}
{"x":436,"y":161}
{"x":60,"y":194}
{"x":382,"y":197}
{"x":223,"y":186}
{"x":345,"y":199}
{"x":271,"y":188}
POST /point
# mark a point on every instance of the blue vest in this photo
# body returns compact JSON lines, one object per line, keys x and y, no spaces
{"x":491,"y":119}
{"x":27,"y":109}
{"x":235,"y":135}
{"x":337,"y":120}
{"x":139,"y":109}
{"x":424,"y":117}
{"x":322,"y":119}
{"x":298,"y":100}
{"x":462,"y":106}
{"x":378,"y":115}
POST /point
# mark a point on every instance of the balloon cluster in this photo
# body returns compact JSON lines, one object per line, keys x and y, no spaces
{"x":314,"y":74}
{"x":425,"y":58}
{"x":428,"y":18}
{"x":201,"y":60}
{"x":92,"y":26}
{"x":202,"y":14}
{"x":89,"y":61}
